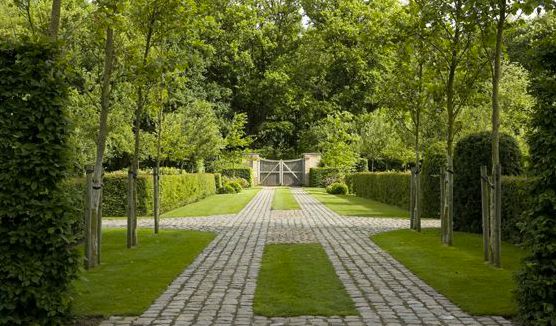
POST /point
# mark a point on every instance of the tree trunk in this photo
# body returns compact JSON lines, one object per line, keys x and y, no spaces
{"x":412,"y":200}
{"x":131,"y":229}
{"x":55,"y":19}
{"x":443,"y":227}
{"x":496,"y":166}
{"x":449,"y":190}
{"x":87,"y":217}
{"x":96,"y":188}
{"x":156,"y":173}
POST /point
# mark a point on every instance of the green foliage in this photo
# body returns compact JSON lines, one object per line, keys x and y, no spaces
{"x":218,"y":180}
{"x":175,"y":190}
{"x":516,"y":201}
{"x":471,"y":152}
{"x":237,"y":187}
{"x":386,"y":187}
{"x":227,"y":189}
{"x":536,"y":292}
{"x":434,"y":160}
{"x":37,"y":224}
{"x":240,"y":172}
{"x":322,"y":177}
{"x":337,"y":188}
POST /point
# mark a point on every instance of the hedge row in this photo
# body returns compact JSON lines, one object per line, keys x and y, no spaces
{"x":175,"y":190}
{"x":241,"y":172}
{"x":393,"y":188}
{"x":322,"y":177}
{"x":386,"y":187}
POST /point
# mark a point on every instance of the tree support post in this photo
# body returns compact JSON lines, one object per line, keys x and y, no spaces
{"x":412,"y":200}
{"x":485,"y":205}
{"x":87,"y":217}
{"x":130,"y":208}
{"x":156,"y":206}
{"x":496,"y":216}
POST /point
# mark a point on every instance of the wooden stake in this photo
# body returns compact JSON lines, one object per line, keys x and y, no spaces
{"x":87,"y":217}
{"x":485,"y":204}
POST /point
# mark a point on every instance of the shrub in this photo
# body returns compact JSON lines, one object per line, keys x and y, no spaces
{"x":241,"y":172}
{"x":516,"y":200}
{"x":362,"y":165}
{"x":387,"y":187}
{"x":434,"y":160}
{"x":337,"y":188}
{"x":470,"y":153}
{"x":227,"y":189}
{"x":242,"y":182}
{"x":235,"y":185}
{"x":322,"y":177}
{"x":218,"y":180}
{"x":38,"y":257}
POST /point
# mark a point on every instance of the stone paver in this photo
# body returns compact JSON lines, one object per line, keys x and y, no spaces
{"x":219,"y":286}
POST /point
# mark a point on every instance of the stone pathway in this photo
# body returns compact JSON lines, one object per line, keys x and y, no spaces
{"x":219,"y":286}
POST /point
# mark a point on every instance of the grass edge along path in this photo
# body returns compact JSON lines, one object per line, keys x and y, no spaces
{"x":129,"y":280}
{"x":283,"y":199}
{"x":220,"y":204}
{"x":350,"y":205}
{"x":458,"y":272}
{"x":299,"y":280}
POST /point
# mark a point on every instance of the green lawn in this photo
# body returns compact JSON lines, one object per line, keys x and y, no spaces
{"x":458,"y":272}
{"x":298,"y":279}
{"x":216,"y":205}
{"x":350,"y":205}
{"x":129,"y":280}
{"x":284,"y":200}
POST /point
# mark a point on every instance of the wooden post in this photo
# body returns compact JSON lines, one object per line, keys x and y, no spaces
{"x":412,"y":200}
{"x":485,"y":204}
{"x":130,"y":208}
{"x":442,"y":203}
{"x":417,"y":200}
{"x":87,"y":217}
{"x":156,"y":206}
{"x":99,"y":229}
{"x":496,"y":216}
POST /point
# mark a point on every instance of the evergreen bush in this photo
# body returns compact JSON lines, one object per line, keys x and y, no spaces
{"x":38,"y":256}
{"x":241,"y":172}
{"x":434,"y":160}
{"x":470,"y":154}
{"x":337,"y":188}
{"x":322,"y":177}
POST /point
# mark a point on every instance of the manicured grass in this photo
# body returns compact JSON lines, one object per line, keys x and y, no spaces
{"x":298,"y":279}
{"x":458,"y":272}
{"x":350,"y":205}
{"x":216,"y":205}
{"x":284,"y":200}
{"x":129,"y":280}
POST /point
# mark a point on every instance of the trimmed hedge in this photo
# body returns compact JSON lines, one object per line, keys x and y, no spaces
{"x":38,"y":255}
{"x":470,"y":153}
{"x":176,"y":190}
{"x":434,"y":160}
{"x":516,"y":200}
{"x":241,"y":172}
{"x":386,"y":187}
{"x":322,"y":177}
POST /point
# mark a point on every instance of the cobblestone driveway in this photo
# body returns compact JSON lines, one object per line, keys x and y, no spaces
{"x":218,"y":287}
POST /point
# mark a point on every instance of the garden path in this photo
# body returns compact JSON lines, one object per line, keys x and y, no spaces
{"x":218,"y":287}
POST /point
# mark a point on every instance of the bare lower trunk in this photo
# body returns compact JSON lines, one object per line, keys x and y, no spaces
{"x":485,"y":205}
{"x":131,"y":226}
{"x":54,"y":19}
{"x":448,"y":209}
{"x":412,"y":200}
{"x":156,"y":187}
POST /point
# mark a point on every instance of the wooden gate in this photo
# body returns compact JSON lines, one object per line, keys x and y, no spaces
{"x":281,"y":172}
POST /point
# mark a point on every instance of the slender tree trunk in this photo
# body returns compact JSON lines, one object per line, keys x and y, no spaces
{"x":496,"y":165}
{"x":96,"y":191}
{"x":485,"y":206}
{"x":156,"y":175}
{"x":132,"y":218}
{"x":55,"y":19}
{"x":417,"y":214}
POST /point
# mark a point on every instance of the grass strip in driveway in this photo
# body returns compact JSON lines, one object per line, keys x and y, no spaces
{"x":216,"y":205}
{"x":129,"y":280}
{"x":458,"y":272}
{"x":284,"y":200}
{"x":350,"y":205}
{"x":299,"y":280}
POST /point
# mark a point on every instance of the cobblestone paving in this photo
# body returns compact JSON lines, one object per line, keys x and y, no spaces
{"x":219,"y":286}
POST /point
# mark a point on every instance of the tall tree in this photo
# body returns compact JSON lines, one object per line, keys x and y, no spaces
{"x":454,"y":38}
{"x":55,"y":19}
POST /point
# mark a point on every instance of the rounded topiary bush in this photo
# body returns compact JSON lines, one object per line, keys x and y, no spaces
{"x":227,"y":189}
{"x":470,"y":154}
{"x":434,"y":160}
{"x":236,"y":186}
{"x":337,"y":188}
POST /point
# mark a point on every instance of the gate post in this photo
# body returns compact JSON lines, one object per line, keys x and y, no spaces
{"x":310,"y":160}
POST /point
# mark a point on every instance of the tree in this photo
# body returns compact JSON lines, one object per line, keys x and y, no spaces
{"x":235,"y":142}
{"x":453,"y":35}
{"x":55,"y":19}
